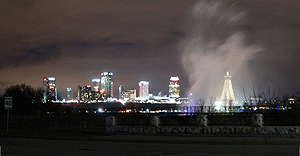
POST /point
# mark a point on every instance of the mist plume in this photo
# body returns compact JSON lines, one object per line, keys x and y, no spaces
{"x":215,"y":43}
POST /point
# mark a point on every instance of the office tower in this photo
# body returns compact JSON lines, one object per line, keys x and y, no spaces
{"x":107,"y":84}
{"x":227,"y":94}
{"x":144,"y":89}
{"x":96,"y":85}
{"x":50,"y":89}
{"x":79,"y":89}
{"x":131,"y":94}
{"x":174,"y":87}
{"x":69,"y":94}
{"x":121,"y":92}
{"x":85,"y":93}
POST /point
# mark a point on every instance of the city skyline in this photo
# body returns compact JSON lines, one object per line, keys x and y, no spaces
{"x":197,"y":40}
{"x":140,"y":86}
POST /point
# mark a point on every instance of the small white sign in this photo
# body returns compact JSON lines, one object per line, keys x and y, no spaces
{"x":8,"y":103}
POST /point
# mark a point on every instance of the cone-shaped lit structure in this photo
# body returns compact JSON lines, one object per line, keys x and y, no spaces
{"x":227,"y":94}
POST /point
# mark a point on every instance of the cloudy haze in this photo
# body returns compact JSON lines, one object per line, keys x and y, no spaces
{"x":257,"y":41}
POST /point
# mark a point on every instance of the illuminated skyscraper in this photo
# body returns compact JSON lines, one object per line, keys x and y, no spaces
{"x":85,"y":93}
{"x":227,"y":94}
{"x":131,"y":94}
{"x":79,"y":90}
{"x":121,"y":92}
{"x":50,"y":89}
{"x":69,"y":94}
{"x":144,"y":89}
{"x":95,"y":90}
{"x":107,"y":84}
{"x":96,"y":85}
{"x":174,"y":87}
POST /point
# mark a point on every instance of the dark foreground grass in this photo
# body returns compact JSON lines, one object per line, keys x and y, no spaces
{"x":56,"y":133}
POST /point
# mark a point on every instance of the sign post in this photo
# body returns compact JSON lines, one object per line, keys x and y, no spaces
{"x":8,"y":103}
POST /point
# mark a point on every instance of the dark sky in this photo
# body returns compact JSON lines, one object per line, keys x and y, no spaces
{"x":257,"y":41}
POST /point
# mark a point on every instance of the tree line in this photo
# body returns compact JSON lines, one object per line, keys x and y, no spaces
{"x":26,"y":100}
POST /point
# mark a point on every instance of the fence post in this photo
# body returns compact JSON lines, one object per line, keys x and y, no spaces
{"x":110,"y":123}
{"x":154,"y":121}
{"x":82,"y":124}
{"x":257,"y":120}
{"x":53,"y":124}
{"x":202,"y":120}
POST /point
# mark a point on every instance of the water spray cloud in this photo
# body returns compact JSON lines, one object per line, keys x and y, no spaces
{"x":214,"y":44}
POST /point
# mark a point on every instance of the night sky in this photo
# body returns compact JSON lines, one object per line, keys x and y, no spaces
{"x":257,"y":41}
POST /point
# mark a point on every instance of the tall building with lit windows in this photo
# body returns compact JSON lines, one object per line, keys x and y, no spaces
{"x":121,"y":92}
{"x":144,"y":89}
{"x":85,"y":93}
{"x":50,"y":89}
{"x":131,"y":94}
{"x":174,"y":87}
{"x":96,"y":84}
{"x":107,"y":84}
{"x":79,"y":90}
{"x":69,"y":94}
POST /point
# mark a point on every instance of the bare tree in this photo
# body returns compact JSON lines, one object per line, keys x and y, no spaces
{"x":25,"y":98}
{"x":212,"y":103}
{"x":200,"y":103}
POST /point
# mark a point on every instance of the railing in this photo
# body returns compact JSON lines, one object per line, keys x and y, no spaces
{"x":276,"y":118}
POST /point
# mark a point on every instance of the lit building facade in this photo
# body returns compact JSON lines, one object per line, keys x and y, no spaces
{"x":131,"y":94}
{"x":144,"y":89}
{"x":96,"y":96}
{"x":121,"y":92}
{"x":50,"y":89}
{"x":79,"y":89}
{"x":85,"y":93}
{"x":128,"y":95}
{"x":96,"y":84}
{"x":107,"y":84}
{"x":69,"y":94}
{"x":174,"y":87}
